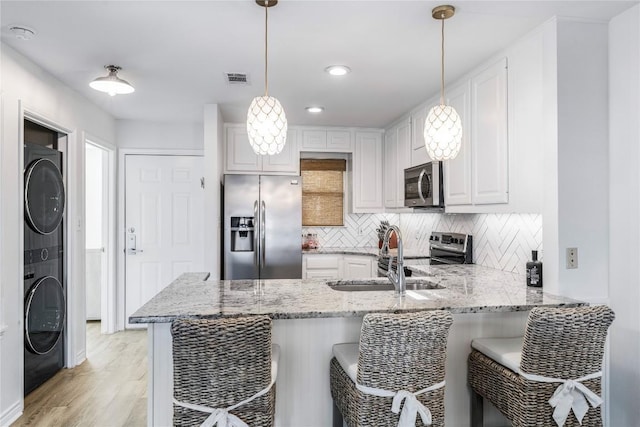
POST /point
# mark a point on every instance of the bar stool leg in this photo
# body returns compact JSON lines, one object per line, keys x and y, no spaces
{"x":477,"y":409}
{"x":337,"y":416}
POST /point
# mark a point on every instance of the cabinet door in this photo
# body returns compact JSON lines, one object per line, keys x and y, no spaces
{"x":356,"y":267}
{"x":286,"y":162}
{"x":403,"y":159}
{"x":240,"y":157}
{"x":339,"y":140}
{"x":457,"y":172}
{"x":390,"y":170}
{"x":419,"y":153}
{"x":314,"y":139}
{"x":489,"y":135}
{"x":367,"y":173}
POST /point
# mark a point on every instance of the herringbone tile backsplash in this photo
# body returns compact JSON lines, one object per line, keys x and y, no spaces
{"x":502,"y":241}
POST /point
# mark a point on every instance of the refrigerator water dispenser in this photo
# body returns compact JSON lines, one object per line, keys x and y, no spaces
{"x":242,"y":234}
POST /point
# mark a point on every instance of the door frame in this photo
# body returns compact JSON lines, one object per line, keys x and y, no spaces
{"x":108,"y":290}
{"x":73,"y":173}
{"x":120,"y":230}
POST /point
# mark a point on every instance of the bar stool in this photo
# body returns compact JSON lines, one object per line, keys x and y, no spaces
{"x":399,"y":362}
{"x":538,"y":379}
{"x":224,"y":372}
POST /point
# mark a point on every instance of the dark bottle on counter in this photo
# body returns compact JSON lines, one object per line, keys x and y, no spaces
{"x":534,"y":271}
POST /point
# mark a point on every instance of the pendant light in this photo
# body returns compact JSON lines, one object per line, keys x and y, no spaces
{"x":112,"y":84}
{"x":266,"y":121}
{"x":443,"y":127}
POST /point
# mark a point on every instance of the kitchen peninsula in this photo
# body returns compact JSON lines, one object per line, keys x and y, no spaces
{"x":309,"y":317}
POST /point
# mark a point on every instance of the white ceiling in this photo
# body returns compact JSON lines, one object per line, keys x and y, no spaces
{"x":175,"y":53}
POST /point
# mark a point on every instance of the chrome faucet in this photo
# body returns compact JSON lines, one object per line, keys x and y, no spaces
{"x":397,"y":278}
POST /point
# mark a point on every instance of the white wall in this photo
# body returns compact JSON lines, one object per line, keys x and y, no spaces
{"x":157,"y":135}
{"x":42,"y":94}
{"x":93,"y":194}
{"x":576,"y":205}
{"x":624,"y":211}
{"x":213,"y":158}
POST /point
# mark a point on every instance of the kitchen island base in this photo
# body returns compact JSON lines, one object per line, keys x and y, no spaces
{"x":303,"y":398}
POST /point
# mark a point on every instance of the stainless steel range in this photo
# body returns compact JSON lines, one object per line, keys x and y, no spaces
{"x":450,"y":248}
{"x":444,"y":248}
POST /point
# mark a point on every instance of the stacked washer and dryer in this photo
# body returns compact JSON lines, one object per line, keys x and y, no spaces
{"x":44,"y":281}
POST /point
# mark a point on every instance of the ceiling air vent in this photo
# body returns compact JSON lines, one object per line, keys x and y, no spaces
{"x":237,"y":78}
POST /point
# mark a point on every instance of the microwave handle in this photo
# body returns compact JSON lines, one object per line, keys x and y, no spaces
{"x":423,"y":174}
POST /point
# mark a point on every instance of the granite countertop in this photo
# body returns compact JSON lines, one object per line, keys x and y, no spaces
{"x":370,"y":250}
{"x":468,"y":289}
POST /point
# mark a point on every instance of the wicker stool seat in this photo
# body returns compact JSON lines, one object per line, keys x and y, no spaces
{"x":395,"y":375}
{"x":224,"y":372}
{"x":551,"y":376}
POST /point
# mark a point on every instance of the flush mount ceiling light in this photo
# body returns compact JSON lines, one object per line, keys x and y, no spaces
{"x":315,"y":110}
{"x":443,"y":127}
{"x":112,"y":84}
{"x":22,"y":32}
{"x":266,"y":121}
{"x":338,"y":70}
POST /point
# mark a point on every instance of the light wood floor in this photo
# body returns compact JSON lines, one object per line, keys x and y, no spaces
{"x":107,"y":389}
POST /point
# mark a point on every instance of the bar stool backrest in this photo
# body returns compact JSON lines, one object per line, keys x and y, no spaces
{"x":403,"y":351}
{"x":566,"y":343}
{"x":219,"y":362}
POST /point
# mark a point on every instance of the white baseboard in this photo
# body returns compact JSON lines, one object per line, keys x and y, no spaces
{"x":12,"y":413}
{"x":81,"y":356}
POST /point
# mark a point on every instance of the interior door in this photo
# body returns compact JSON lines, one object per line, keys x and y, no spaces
{"x":164,"y":219}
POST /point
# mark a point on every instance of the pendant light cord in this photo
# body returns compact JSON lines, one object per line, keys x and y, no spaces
{"x":442,"y":65}
{"x":266,"y":47}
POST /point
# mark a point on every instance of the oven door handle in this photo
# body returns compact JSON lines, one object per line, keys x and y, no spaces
{"x":443,"y":260}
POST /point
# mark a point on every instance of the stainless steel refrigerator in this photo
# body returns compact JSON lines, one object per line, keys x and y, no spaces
{"x":262,"y":227}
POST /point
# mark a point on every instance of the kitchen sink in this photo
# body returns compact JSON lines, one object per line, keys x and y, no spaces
{"x":382,"y":284}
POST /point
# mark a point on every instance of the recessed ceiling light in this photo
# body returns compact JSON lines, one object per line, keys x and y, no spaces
{"x":338,"y":70}
{"x":315,"y":109}
{"x":22,"y":32}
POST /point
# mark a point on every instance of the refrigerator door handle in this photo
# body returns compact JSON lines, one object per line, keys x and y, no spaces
{"x":256,"y":258}
{"x":263,"y":220}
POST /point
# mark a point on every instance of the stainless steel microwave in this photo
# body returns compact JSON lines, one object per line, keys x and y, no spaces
{"x":423,"y":186}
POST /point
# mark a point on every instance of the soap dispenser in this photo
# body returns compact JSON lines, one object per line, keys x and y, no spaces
{"x":534,"y":271}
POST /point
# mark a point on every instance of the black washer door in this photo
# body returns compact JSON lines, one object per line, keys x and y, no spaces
{"x":45,"y":311}
{"x":44,"y":196}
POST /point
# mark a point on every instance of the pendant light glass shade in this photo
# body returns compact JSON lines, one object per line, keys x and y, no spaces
{"x":112,"y":84}
{"x":443,"y":132}
{"x":266,"y":120}
{"x":443,"y":126}
{"x":266,"y":125}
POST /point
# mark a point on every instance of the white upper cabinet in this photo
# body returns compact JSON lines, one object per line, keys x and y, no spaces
{"x":490,"y":155}
{"x":390,"y":167}
{"x":419,"y":153}
{"x":367,"y":176}
{"x":457,"y":172}
{"x":479,"y":173}
{"x":397,"y":157}
{"x":240,"y":157}
{"x":326,"y":140}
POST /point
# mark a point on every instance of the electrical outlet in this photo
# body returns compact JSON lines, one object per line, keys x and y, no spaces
{"x":360,"y":231}
{"x":572,"y":258}
{"x":418,"y":235}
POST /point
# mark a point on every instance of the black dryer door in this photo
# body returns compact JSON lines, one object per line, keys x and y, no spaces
{"x":44,"y":196}
{"x":45,"y":311}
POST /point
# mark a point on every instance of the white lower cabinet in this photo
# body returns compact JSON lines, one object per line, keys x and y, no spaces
{"x":321,"y":266}
{"x":337,"y":266}
{"x":357,"y":266}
